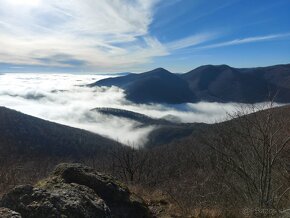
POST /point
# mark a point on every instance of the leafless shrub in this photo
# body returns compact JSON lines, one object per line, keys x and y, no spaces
{"x":250,"y":150}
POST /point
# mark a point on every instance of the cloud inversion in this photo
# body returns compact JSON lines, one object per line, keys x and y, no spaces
{"x":62,"y":98}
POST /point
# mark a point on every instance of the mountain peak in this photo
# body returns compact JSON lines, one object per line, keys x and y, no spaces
{"x":221,"y":83}
{"x":159,"y":70}
{"x":213,"y":67}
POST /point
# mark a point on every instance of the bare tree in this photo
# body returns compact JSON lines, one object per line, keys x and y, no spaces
{"x":128,"y":163}
{"x":251,"y":150}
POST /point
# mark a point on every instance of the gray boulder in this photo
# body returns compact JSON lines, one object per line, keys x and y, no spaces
{"x":6,"y":213}
{"x":75,"y":191}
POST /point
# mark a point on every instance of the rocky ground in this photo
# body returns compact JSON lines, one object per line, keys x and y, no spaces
{"x":77,"y":191}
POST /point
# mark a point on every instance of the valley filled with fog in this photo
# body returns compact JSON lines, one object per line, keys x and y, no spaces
{"x":65,"y":99}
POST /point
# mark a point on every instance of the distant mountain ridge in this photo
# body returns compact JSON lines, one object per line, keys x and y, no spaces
{"x":23,"y":135}
{"x":212,"y":83}
{"x":158,"y":85}
{"x":165,"y":131}
{"x":138,"y":117}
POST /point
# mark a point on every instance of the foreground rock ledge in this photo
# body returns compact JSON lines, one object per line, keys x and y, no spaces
{"x":75,"y":191}
{"x":6,"y":213}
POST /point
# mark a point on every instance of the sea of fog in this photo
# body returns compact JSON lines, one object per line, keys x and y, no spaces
{"x":64,"y":99}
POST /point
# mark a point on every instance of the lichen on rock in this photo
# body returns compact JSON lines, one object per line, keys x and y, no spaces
{"x":7,"y":213}
{"x":75,"y":191}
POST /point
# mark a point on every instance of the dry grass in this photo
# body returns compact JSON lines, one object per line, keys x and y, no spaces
{"x":164,"y":205}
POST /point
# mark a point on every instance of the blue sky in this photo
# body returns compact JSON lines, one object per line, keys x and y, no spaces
{"x":139,"y":35}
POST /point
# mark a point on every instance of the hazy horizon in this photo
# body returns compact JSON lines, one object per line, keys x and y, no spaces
{"x":125,"y":72}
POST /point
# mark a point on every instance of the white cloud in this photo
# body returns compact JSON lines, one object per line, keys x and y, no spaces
{"x":190,"y":41}
{"x":106,"y":35}
{"x":62,"y":98}
{"x":247,"y":40}
{"x":102,"y":34}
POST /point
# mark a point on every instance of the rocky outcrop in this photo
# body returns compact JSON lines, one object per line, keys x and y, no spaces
{"x":75,"y":191}
{"x":6,"y":213}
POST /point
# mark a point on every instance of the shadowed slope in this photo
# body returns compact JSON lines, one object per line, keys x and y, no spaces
{"x":24,"y":134}
{"x":156,"y":86}
{"x":210,"y":83}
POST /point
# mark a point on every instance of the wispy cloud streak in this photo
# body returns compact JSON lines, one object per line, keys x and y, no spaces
{"x":190,"y":41}
{"x":247,"y":40}
{"x":91,"y":35}
{"x":108,"y":35}
{"x":102,"y":34}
